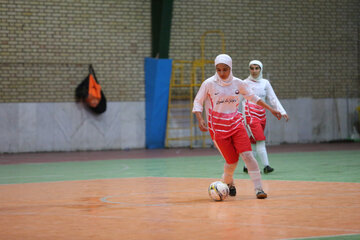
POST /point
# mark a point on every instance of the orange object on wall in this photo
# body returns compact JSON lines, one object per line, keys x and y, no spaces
{"x":94,"y":95}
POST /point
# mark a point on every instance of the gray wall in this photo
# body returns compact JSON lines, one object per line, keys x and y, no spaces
{"x":33,"y":127}
{"x":314,"y":120}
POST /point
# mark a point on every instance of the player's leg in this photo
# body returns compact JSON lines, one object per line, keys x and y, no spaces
{"x":261,"y":148}
{"x":243,"y":147}
{"x":228,"y":151}
{"x":228,"y":176}
{"x":252,"y":140}
{"x":254,"y":173}
{"x":253,"y":147}
{"x":262,"y":153}
{"x":257,"y":129}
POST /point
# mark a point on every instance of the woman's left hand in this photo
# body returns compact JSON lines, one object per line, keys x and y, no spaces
{"x":276,"y":113}
{"x":286,"y":117}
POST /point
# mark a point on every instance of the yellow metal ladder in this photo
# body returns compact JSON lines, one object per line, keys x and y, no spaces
{"x":178,"y":117}
{"x":186,"y":79}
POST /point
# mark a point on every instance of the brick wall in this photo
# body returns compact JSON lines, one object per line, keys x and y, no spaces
{"x":308,"y":48}
{"x":46,"y":47}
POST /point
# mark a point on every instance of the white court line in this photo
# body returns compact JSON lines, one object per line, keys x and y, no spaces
{"x":36,"y":176}
{"x":124,"y":168}
{"x":327,"y":236}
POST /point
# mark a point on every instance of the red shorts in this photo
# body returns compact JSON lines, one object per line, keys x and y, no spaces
{"x":231,"y":147}
{"x":257,"y":128}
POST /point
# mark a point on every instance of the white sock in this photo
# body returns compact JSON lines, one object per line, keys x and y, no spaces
{"x":254,"y":171}
{"x":256,"y":179}
{"x":261,"y":151}
{"x":253,"y":147}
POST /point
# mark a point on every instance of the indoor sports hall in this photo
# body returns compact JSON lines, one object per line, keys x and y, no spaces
{"x":109,"y":108}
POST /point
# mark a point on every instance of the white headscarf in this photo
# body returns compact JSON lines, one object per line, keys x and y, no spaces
{"x":256,"y":62}
{"x":225,"y":59}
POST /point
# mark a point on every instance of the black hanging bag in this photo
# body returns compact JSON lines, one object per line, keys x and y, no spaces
{"x":90,"y":93}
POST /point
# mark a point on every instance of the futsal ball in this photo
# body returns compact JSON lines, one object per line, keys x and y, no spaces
{"x":218,"y":191}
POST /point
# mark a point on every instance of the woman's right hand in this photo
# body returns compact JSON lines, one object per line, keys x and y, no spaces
{"x":202,"y":123}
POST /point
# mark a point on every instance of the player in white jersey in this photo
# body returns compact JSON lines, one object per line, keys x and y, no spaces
{"x":222,"y":94}
{"x":255,"y":117}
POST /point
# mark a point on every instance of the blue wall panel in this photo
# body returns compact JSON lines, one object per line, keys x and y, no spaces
{"x":157,"y":83}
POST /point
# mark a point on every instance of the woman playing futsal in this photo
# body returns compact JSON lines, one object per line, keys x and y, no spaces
{"x":255,"y":117}
{"x":222,"y":94}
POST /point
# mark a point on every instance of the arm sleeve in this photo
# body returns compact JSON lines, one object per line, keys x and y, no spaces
{"x":272,"y":99}
{"x":200,"y":98}
{"x":248,"y":94}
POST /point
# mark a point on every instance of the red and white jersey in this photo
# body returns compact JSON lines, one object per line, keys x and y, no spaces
{"x":264,"y":90}
{"x":222,"y":104}
{"x":253,"y":112}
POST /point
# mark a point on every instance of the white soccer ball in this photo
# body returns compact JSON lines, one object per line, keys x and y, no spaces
{"x":218,"y":191}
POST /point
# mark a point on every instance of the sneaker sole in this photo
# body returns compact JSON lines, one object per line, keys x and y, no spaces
{"x":232,"y":194}
{"x":266,"y":172}
{"x":261,"y":196}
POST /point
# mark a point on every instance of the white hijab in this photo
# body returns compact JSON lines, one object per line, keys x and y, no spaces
{"x":225,"y":59}
{"x":256,"y":62}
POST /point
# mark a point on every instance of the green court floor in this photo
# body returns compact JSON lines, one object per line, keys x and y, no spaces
{"x":334,"y":166}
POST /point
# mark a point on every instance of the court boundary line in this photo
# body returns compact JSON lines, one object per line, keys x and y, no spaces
{"x":328,"y":236}
{"x":236,"y":179}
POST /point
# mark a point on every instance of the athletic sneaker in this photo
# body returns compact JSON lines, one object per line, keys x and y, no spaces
{"x":245,"y":170}
{"x":260,"y":194}
{"x":268,"y":169}
{"x":232,"y":190}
